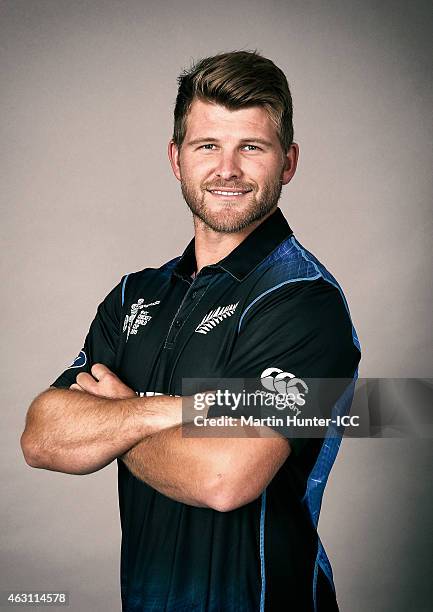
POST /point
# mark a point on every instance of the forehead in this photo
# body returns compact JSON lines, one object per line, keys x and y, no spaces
{"x":218,"y":121}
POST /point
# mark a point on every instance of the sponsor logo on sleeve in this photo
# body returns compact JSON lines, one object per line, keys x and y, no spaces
{"x":79,"y":361}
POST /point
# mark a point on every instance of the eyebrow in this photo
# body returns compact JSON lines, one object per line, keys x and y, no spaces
{"x":253,"y":140}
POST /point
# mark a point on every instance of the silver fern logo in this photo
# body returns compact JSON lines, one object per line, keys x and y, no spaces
{"x":214,"y":317}
{"x":138,"y":317}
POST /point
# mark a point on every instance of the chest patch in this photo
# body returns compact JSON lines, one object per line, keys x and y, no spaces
{"x":214,"y":317}
{"x":139,"y":317}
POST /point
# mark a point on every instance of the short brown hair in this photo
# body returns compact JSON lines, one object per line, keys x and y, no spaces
{"x":238,"y":79}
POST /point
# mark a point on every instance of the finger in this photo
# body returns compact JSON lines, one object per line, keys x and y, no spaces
{"x":99,"y":370}
{"x":76,"y":387}
{"x":87,"y":382}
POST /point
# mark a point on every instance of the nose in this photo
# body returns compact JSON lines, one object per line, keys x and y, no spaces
{"x":228,"y":166}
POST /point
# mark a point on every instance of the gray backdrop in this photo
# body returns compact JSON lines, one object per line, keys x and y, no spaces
{"x":87,"y":94}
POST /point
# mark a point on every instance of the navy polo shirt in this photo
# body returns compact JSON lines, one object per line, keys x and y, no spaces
{"x":269,"y":303}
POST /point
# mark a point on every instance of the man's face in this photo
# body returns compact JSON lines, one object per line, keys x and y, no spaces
{"x":231,"y":165}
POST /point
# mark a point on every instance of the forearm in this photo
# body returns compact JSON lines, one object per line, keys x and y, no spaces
{"x":165,"y":461}
{"x":79,"y":433}
{"x":221,"y":472}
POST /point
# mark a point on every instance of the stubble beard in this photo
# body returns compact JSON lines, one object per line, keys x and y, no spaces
{"x":229,"y":219}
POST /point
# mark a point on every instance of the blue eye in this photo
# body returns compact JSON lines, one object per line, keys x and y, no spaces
{"x":210,"y":146}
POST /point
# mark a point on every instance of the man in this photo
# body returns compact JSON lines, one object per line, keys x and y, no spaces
{"x":214,"y":523}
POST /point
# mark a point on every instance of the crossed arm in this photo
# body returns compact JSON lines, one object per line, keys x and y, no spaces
{"x":82,"y":429}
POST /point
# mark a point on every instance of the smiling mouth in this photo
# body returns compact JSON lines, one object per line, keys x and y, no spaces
{"x":228,"y":193}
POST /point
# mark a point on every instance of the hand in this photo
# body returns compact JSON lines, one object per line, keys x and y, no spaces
{"x":103,"y":382}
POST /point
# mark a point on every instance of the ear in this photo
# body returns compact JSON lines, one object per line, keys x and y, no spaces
{"x":173,"y":156}
{"x":290,"y":163}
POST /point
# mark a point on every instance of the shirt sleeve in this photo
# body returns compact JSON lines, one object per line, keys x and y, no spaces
{"x":100,"y":344}
{"x":302,"y":328}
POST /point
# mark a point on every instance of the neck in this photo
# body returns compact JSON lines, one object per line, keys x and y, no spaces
{"x":212,"y":246}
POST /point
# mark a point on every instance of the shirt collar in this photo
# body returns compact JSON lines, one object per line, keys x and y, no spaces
{"x":247,"y":255}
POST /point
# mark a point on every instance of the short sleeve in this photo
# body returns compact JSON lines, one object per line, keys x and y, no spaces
{"x":302,"y":328}
{"x":100,"y":344}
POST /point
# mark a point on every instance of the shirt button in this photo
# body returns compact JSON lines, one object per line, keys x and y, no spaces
{"x":178,"y":323}
{"x":193,"y":295}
